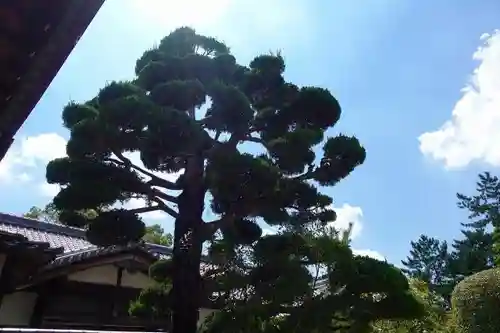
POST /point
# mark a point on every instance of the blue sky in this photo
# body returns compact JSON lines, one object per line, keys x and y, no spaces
{"x":417,"y":85}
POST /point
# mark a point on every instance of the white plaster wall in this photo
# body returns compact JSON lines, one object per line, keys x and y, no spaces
{"x":105,"y":274}
{"x":17,"y":308}
{"x":136,"y":280}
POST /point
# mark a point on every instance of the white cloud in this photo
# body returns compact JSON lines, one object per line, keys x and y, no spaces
{"x":473,"y":132}
{"x":48,"y":190}
{"x":42,"y":148}
{"x":24,"y":177}
{"x":139,"y":203}
{"x":29,"y":153}
{"x":347,"y":214}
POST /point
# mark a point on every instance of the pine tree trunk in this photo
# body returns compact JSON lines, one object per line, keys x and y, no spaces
{"x":187,"y":250}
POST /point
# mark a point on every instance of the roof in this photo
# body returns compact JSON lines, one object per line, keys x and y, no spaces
{"x":36,"y":37}
{"x":71,"y":240}
{"x":95,"y":252}
{"x":68,"y":238}
{"x":12,"y":242}
{"x":69,"y":247}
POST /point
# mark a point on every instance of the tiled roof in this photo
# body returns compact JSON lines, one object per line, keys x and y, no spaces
{"x":72,"y":240}
{"x":78,"y":256}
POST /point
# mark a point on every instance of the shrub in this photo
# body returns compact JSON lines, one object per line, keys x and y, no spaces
{"x":476,"y":303}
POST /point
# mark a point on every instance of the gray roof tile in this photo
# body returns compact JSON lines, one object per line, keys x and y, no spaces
{"x":70,"y":239}
{"x":57,"y":235}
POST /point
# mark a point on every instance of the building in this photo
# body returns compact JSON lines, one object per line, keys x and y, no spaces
{"x":36,"y":37}
{"x":52,"y":278}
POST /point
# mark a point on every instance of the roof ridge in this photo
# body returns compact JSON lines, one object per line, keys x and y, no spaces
{"x":41,"y":225}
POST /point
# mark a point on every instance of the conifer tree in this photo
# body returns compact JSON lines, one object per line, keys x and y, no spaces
{"x":484,"y":211}
{"x":307,"y":280}
{"x":187,"y":112}
{"x":427,"y":261}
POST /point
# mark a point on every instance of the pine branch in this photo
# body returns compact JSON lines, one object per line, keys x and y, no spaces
{"x":171,"y":198}
{"x":308,"y":174}
{"x":145,"y":209}
{"x":164,"y":207}
{"x":155,"y":180}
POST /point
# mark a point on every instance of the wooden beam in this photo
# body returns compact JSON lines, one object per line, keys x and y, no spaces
{"x":45,"y":67}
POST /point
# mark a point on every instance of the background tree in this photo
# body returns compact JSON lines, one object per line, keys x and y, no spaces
{"x":331,"y":290}
{"x":484,"y":212}
{"x":471,"y":254}
{"x":153,"y":233}
{"x":427,"y":261}
{"x":49,"y":213}
{"x":163,"y":115}
{"x":435,"y":320}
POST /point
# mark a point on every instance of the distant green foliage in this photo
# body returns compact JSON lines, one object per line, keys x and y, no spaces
{"x":443,"y":267}
{"x":427,"y":261}
{"x":309,"y":281}
{"x":484,"y":211}
{"x":46,"y":214}
{"x":51,"y":214}
{"x":476,"y":303}
{"x":156,"y":235}
{"x":434,"y":320}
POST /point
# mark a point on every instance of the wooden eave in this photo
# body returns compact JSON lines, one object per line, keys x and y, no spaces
{"x":36,"y":37}
{"x":140,"y":257}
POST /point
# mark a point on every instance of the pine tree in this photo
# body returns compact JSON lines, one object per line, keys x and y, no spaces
{"x":188,"y":111}
{"x":484,"y":211}
{"x":308,"y":281}
{"x":471,"y":254}
{"x":428,"y":261}
{"x":46,"y":214}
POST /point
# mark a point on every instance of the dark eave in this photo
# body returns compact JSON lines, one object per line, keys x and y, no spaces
{"x":16,"y":244}
{"x":36,"y":37}
{"x":97,"y":254}
{"x":24,"y":258}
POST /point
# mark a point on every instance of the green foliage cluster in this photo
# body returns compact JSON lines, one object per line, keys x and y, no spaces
{"x":476,"y":303}
{"x":466,"y":278}
{"x":153,"y":234}
{"x":443,"y":266}
{"x":281,"y":289}
{"x":435,"y":319}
